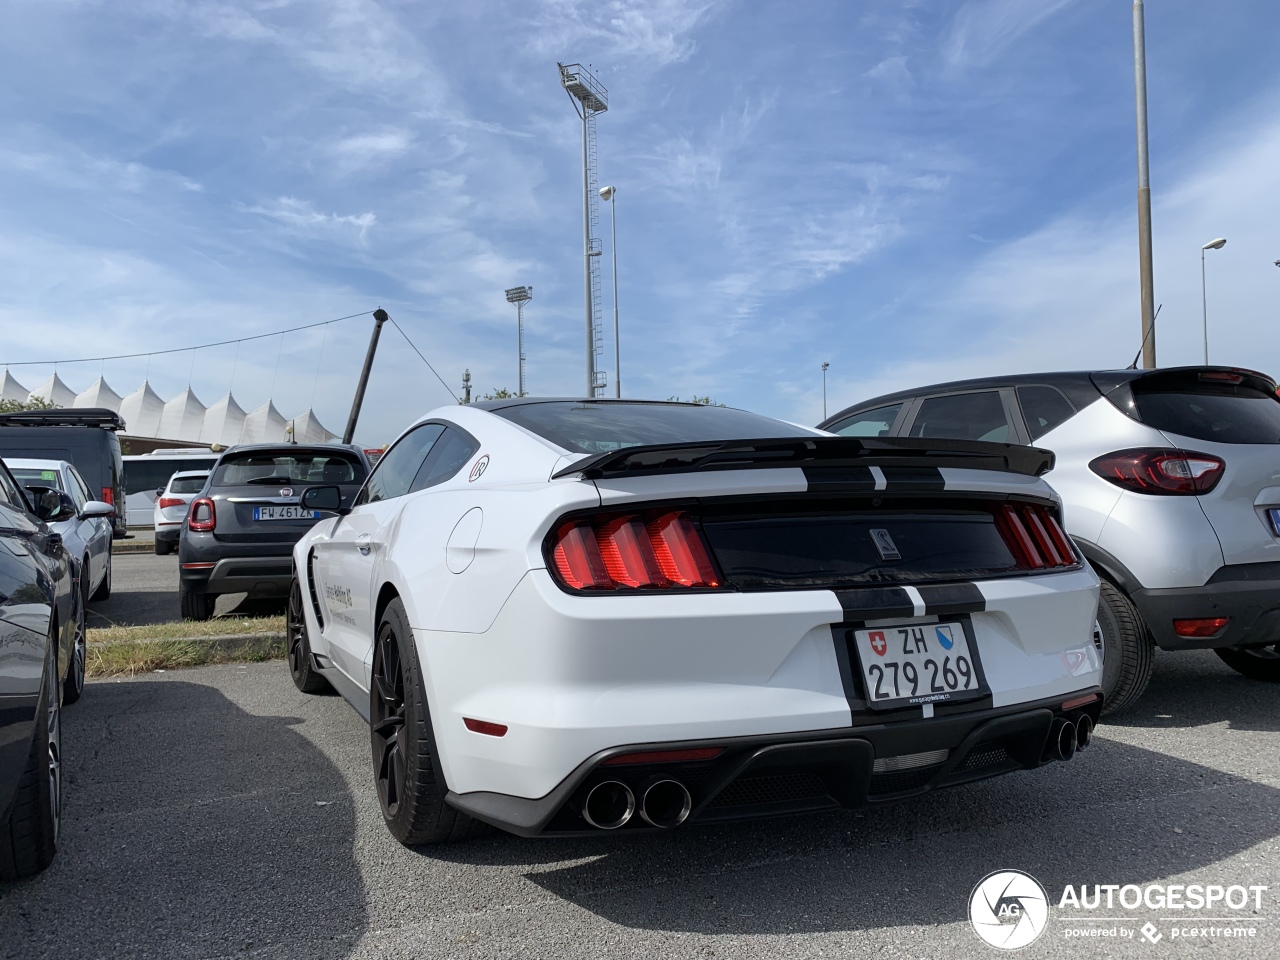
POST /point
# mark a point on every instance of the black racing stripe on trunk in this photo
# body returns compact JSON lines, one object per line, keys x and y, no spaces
{"x":839,"y":479}
{"x":875,"y":603}
{"x":948,"y":598}
{"x":912,"y":478}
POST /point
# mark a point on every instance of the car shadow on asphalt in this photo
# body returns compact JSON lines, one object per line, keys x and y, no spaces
{"x":191,"y":828}
{"x":1193,"y":689}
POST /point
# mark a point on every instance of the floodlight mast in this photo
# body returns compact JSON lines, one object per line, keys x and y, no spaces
{"x":589,"y":98}
{"x":520,"y":296}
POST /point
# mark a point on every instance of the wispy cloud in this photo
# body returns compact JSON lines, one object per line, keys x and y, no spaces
{"x":301,"y":218}
{"x":982,"y":29}
{"x":653,"y":31}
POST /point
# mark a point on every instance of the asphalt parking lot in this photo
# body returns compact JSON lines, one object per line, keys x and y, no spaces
{"x":144,"y":589}
{"x":217,"y":812}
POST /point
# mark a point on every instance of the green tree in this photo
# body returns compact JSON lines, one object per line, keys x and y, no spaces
{"x":35,"y":403}
{"x":502,"y":393}
{"x":705,"y":401}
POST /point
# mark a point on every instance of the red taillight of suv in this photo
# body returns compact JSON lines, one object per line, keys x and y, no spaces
{"x":630,"y":552}
{"x":1034,"y":535}
{"x":203,"y":516}
{"x":166,"y":502}
{"x":1161,"y":472}
{"x":108,"y":496}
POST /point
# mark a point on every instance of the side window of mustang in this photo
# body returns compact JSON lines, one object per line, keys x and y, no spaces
{"x":450,"y":454}
{"x":394,"y":473}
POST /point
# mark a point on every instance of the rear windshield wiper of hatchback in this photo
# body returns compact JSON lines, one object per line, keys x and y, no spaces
{"x":273,"y":480}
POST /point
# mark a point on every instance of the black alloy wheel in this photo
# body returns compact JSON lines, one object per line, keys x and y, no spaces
{"x":298,"y":646}
{"x":53,"y":726}
{"x":1256,"y":663}
{"x":406,"y":768}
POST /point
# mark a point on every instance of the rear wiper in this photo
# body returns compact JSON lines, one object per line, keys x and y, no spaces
{"x":272,"y":480}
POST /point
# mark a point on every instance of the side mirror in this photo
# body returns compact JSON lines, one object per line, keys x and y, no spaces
{"x":327,"y":498}
{"x":51,"y":505}
{"x":97,"y":508}
{"x":159,"y":492}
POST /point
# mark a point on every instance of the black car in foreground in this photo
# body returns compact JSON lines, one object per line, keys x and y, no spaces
{"x":39,"y":630}
{"x":239,"y":533}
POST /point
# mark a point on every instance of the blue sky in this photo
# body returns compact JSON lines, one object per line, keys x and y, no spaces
{"x":910,"y":191}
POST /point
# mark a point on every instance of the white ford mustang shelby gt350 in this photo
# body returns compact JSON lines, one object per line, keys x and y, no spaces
{"x":568,"y":616}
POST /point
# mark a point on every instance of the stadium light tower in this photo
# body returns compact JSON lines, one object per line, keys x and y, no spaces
{"x":589,"y":98}
{"x":520,"y":296}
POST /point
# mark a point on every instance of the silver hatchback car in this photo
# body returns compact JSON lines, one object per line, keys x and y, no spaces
{"x":1170,"y":481}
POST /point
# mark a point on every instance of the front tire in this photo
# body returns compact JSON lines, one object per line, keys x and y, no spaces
{"x":196,"y":604}
{"x":29,"y":835}
{"x":74,"y":685}
{"x":1128,"y":651}
{"x":406,"y":766}
{"x":298,"y":650}
{"x":1256,"y":663}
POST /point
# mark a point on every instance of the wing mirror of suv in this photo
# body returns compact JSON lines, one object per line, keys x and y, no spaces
{"x":51,"y":505}
{"x":327,"y":498}
{"x":97,"y":508}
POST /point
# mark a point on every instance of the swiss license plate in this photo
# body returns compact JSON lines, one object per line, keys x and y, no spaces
{"x":918,"y":663}
{"x":284,"y":513}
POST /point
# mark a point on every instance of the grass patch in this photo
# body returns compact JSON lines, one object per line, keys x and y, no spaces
{"x":126,"y":651}
{"x":188,"y":629}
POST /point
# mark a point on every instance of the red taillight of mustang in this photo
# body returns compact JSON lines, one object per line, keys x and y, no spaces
{"x":631,"y":552}
{"x":1034,"y":535}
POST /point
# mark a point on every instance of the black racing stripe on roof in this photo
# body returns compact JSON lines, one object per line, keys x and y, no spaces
{"x":875,"y":603}
{"x":950,"y":598}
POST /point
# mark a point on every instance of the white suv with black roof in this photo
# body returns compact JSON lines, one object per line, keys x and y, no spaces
{"x":1170,"y":481}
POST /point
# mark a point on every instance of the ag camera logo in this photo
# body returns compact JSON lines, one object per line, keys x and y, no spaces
{"x":1009,"y":909}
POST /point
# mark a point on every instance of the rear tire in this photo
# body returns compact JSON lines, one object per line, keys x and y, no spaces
{"x":298,"y":650}
{"x":1256,"y":663}
{"x":104,"y":588}
{"x":406,"y":766}
{"x":1128,"y":651}
{"x":196,"y":604}
{"x":162,"y":548}
{"x":29,"y":835}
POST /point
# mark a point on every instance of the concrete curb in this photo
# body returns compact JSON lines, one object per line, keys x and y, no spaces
{"x":119,"y":547}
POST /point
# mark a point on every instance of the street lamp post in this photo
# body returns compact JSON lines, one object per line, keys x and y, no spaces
{"x":520,"y":296}
{"x":608,"y":193}
{"x":1204,"y":297}
{"x":824,"y":389}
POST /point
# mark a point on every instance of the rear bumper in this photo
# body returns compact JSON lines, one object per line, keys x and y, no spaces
{"x":1247,"y":593}
{"x":802,"y":772}
{"x":256,"y":576}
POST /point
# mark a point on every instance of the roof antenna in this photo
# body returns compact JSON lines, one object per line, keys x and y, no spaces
{"x":1150,"y":330}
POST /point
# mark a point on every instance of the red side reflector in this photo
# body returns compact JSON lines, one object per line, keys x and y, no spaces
{"x":665,"y":756}
{"x":485,"y":727}
{"x":1079,"y":701}
{"x":1202,"y":627}
{"x":197,"y":566}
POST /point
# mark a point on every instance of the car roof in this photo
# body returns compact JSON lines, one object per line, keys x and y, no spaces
{"x":524,"y":401}
{"x":30,"y":463}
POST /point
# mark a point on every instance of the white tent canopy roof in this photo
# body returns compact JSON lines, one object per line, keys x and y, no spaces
{"x":141,"y":412}
{"x":99,"y":395}
{"x":264,"y":425}
{"x":11,"y":389}
{"x":182,"y":417}
{"x":308,"y":429}
{"x":54,"y":391}
{"x":223,"y":422}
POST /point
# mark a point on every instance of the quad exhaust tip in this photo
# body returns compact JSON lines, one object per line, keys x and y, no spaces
{"x":666,"y":804}
{"x":609,"y":805}
{"x":1084,"y":733}
{"x":1064,"y":740}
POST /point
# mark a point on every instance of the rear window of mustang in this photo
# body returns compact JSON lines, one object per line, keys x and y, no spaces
{"x":269,"y":466}
{"x":601,"y":427}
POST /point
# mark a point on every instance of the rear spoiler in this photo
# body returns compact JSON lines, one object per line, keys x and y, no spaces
{"x":651,"y":459}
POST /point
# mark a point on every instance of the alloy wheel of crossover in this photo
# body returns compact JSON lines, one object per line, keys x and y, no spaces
{"x":29,"y":832}
{"x":301,"y":667}
{"x":1256,"y":663}
{"x":1128,"y":650}
{"x":104,"y":588}
{"x":406,"y":768}
{"x":79,"y":649}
